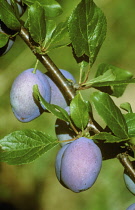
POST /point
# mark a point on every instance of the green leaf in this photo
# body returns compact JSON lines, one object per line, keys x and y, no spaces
{"x":52,"y":8}
{"x":8,"y":17}
{"x":59,"y":36}
{"x":50,"y":27}
{"x":79,"y":111}
{"x":107,"y":137}
{"x":83,"y":71}
{"x":114,"y":83}
{"x":21,"y":147}
{"x":107,"y":76}
{"x":127,"y":107}
{"x":3,"y":39}
{"x":110,"y":113}
{"x":36,"y":21}
{"x":54,"y":109}
{"x":130,"y":120}
{"x":87,"y":29}
{"x":122,"y":78}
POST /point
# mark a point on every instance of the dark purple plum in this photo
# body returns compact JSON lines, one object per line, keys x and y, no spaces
{"x":24,"y":105}
{"x":78,"y":164}
{"x":57,"y":97}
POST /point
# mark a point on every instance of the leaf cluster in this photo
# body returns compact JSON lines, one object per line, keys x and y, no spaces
{"x":84,"y":30}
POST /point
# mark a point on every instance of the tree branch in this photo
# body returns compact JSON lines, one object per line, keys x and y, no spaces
{"x":127,"y":164}
{"x":65,"y":86}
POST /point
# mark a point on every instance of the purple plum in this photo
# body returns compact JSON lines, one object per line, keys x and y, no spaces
{"x":57,"y":97}
{"x":78,"y":164}
{"x":25,"y":107}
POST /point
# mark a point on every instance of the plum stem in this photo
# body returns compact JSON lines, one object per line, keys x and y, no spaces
{"x":65,"y":86}
{"x":124,"y":160}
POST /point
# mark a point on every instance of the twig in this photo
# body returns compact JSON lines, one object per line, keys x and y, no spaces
{"x":127,"y":164}
{"x":55,"y":74}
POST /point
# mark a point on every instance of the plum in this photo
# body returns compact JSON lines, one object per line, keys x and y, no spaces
{"x":58,"y":161}
{"x":57,"y":96}
{"x":130,"y":184}
{"x":25,"y":107}
{"x":63,"y":130}
{"x":131,"y":207}
{"x":78,"y":164}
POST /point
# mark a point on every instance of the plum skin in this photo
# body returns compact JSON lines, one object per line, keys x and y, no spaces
{"x":130,"y":184}
{"x":131,"y":207}
{"x":24,"y":105}
{"x":79,"y":164}
{"x":57,"y":97}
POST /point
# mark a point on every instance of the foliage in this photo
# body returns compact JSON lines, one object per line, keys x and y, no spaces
{"x":84,"y":31}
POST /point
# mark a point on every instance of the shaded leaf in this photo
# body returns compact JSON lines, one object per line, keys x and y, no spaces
{"x":52,"y":8}
{"x":107,"y":137}
{"x":79,"y":111}
{"x":87,"y":29}
{"x":110,"y":113}
{"x":122,"y":78}
{"x":36,"y":22}
{"x":130,"y":120}
{"x":54,"y":109}
{"x":3,"y":39}
{"x":126,"y":106}
{"x":8,"y":17}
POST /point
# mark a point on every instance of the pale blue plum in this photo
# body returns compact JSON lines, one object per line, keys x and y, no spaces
{"x":131,"y":207}
{"x":57,"y":96}
{"x":25,"y":107}
{"x":79,"y":164}
{"x":130,"y":184}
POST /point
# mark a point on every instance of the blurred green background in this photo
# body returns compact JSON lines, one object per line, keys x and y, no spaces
{"x":35,"y":186}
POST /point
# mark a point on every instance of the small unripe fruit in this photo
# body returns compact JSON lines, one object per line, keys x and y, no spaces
{"x":24,"y":105}
{"x":131,"y":207}
{"x":63,"y":130}
{"x":57,"y":96}
{"x":79,"y":164}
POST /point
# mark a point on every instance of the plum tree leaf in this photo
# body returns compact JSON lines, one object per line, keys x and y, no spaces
{"x":122,"y":78}
{"x":50,"y":27}
{"x":21,"y":147}
{"x":127,"y":107}
{"x":79,"y":111}
{"x":108,"y":138}
{"x":59,"y":36}
{"x":110,"y":113}
{"x":87,"y":29}
{"x":8,"y":17}
{"x":54,"y":109}
{"x":130,"y":120}
{"x":36,"y":22}
{"x":107,"y":76}
{"x":3,"y":39}
{"x":52,"y":8}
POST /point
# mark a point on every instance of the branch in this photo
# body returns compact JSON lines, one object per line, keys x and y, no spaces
{"x":65,"y":86}
{"x":123,"y":158}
